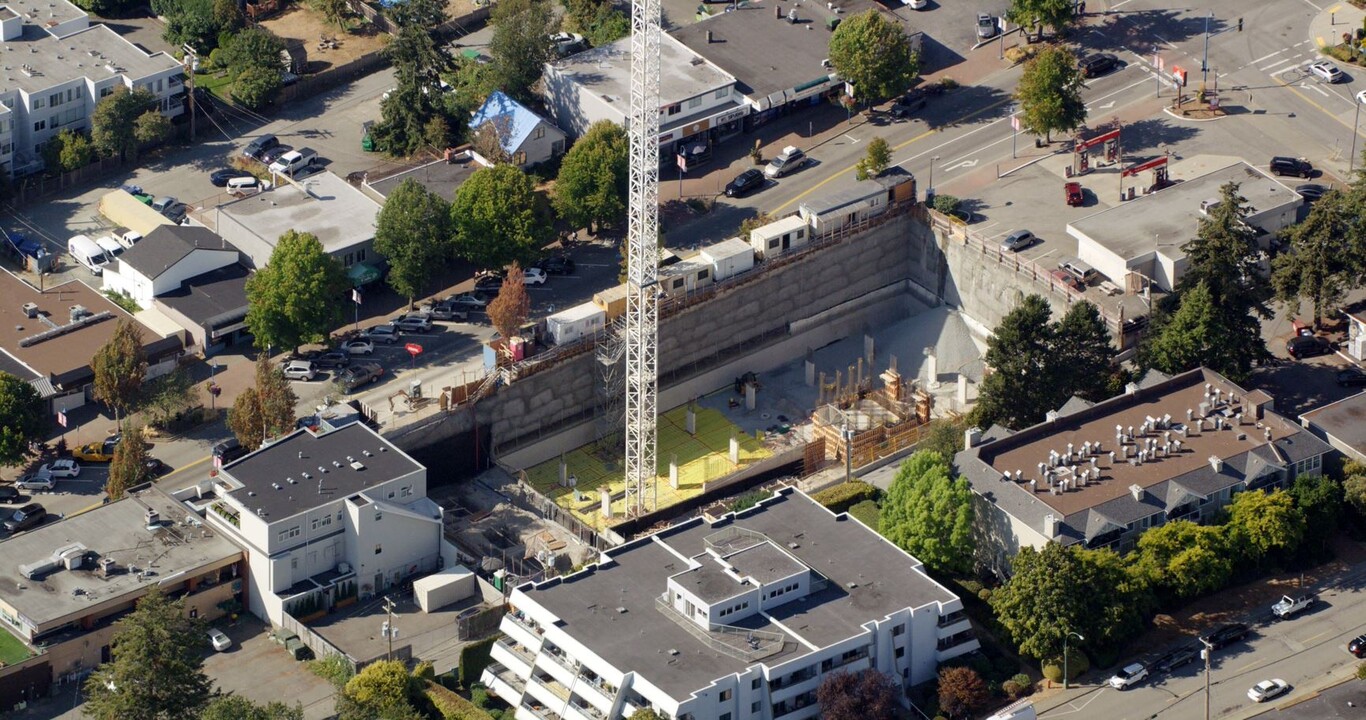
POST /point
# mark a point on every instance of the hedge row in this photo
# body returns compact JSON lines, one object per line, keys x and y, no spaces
{"x":840,"y":497}
{"x":473,"y":659}
{"x":452,"y":706}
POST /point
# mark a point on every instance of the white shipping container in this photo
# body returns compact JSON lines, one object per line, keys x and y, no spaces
{"x":728,"y":258}
{"x":579,"y":321}
{"x":779,"y":237}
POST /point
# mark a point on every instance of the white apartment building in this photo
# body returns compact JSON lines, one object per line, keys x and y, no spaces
{"x":57,"y":66}
{"x":739,"y":619}
{"x":315,"y":511}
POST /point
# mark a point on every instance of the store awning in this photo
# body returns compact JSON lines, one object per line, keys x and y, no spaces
{"x":362,"y":274}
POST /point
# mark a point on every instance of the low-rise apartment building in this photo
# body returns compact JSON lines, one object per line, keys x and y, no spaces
{"x":736,"y":619}
{"x":1101,"y":474}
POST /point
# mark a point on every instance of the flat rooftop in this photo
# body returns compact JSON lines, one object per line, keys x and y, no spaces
{"x":337,"y":213}
{"x":319,"y":465}
{"x":1024,"y":450}
{"x":1344,"y":420}
{"x":1166,"y":220}
{"x":439,"y":176}
{"x":606,"y":71}
{"x":869,"y":580}
{"x":88,"y":53}
{"x":63,"y":356}
{"x":215,"y":295}
{"x":117,"y":531}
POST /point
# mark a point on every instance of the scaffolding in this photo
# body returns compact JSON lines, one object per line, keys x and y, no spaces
{"x":611,"y":351}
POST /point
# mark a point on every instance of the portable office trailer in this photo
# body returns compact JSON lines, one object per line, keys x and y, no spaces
{"x":728,"y":258}
{"x":612,"y":301}
{"x":776,"y":238}
{"x":579,"y":321}
{"x":863,"y":200}
{"x":688,"y":274}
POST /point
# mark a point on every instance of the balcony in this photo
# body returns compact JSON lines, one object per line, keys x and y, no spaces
{"x":523,"y":630}
{"x":952,"y":618}
{"x":596,"y":691}
{"x":513,"y":654}
{"x":527,"y":711}
{"x":503,"y":682}
{"x":957,"y":644}
{"x":578,"y":709}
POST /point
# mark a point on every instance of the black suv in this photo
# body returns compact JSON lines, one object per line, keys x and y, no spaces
{"x":908,"y":103}
{"x":1358,"y":646}
{"x":1352,"y":377}
{"x":1226,"y":635}
{"x":1291,"y":166}
{"x":29,"y":516}
{"x":1097,"y":65}
{"x":228,"y":450}
{"x":557,"y":265}
{"x":9,"y":495}
{"x":1306,"y":346}
{"x":259,"y":146}
{"x":745,"y":183}
{"x":1176,"y":659}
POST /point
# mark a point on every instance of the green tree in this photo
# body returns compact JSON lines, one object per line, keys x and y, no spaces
{"x":152,"y":127}
{"x":170,"y":394}
{"x":863,"y":695}
{"x":236,"y":707}
{"x":1060,"y":589}
{"x":128,"y":468}
{"x":875,"y":160}
{"x":1037,"y":14}
{"x":1083,"y":353}
{"x":23,"y":417}
{"x":520,"y":45}
{"x":594,"y":175}
{"x":105,"y":8}
{"x":113,"y":125}
{"x":277,"y":397}
{"x":418,"y":96}
{"x":1319,"y":499}
{"x":228,"y":15}
{"x":120,"y":366}
{"x":296,"y":298}
{"x":1182,"y":560}
{"x":874,"y":55}
{"x":496,"y":218}
{"x":68,"y":151}
{"x":928,"y":513}
{"x":257,"y":86}
{"x":245,"y":419}
{"x":1193,"y":336}
{"x":1354,"y":486}
{"x":1262,"y":523}
{"x":253,"y":47}
{"x":943,"y":436}
{"x":193,"y":22}
{"x":1319,"y":265}
{"x":157,"y":671}
{"x":413,"y":233}
{"x":381,"y":691}
{"x":334,"y":12}
{"x":962,"y":691}
{"x":597,"y":20}
{"x":1020,"y":389}
{"x":1050,"y":93}
{"x":645,"y":714}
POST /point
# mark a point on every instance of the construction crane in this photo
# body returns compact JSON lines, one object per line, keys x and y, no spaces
{"x":642,"y":261}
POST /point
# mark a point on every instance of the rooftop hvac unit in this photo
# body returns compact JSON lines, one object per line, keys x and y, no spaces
{"x":77,"y":312}
{"x":30,"y":310}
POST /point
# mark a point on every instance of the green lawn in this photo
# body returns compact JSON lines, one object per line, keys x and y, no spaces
{"x":12,"y":651}
{"x":866,"y":512}
{"x":216,"y":85}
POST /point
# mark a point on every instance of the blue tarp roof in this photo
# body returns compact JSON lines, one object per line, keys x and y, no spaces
{"x":519,"y":121}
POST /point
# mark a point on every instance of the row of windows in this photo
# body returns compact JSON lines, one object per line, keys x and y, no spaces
{"x":779,"y":591}
{"x":695,"y":102}
{"x":742,"y":606}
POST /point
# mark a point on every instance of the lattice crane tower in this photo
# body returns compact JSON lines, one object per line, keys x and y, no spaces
{"x":642,"y":258}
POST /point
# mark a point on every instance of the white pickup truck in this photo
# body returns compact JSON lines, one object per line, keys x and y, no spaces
{"x":1290,"y":606}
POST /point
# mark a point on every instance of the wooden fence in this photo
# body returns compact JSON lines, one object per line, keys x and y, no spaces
{"x":321,"y":647}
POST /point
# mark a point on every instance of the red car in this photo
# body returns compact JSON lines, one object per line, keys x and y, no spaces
{"x":1068,"y":279}
{"x":1075,"y":197}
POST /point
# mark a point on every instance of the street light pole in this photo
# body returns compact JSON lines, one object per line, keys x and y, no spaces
{"x":1208,"y":652}
{"x":1351,"y":161}
{"x":1064,"y":656}
{"x":1204,"y":61}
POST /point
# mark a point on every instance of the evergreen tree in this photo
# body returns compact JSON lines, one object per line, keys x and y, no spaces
{"x":23,"y":416}
{"x":928,"y":513}
{"x":1319,"y":265}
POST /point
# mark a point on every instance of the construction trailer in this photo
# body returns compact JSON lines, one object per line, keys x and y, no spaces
{"x":577,"y":322}
{"x":612,"y":301}
{"x":774,"y":239}
{"x":691,"y":273}
{"x":863,"y":200}
{"x":728,"y":258}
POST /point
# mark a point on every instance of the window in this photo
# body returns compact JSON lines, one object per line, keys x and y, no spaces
{"x":39,"y":102}
{"x":289,"y":534}
{"x":754,"y":684}
{"x":519,"y":158}
{"x":378,"y":516}
{"x":378,"y":549}
{"x":754,"y":707}
{"x":674,"y":109}
{"x":106,"y":92}
{"x":405,"y":491}
{"x":899,"y":630}
{"x":726,"y":695}
{"x":722,"y":92}
{"x":313,"y":525}
{"x":391,"y":494}
{"x":360,"y":256}
{"x":901,"y":652}
{"x":346,"y":262}
{"x":40,"y":126}
{"x":724,"y":716}
{"x":695,"y":102}
{"x":326,"y":520}
{"x":294,"y":563}
{"x":702,"y":274}
{"x":540,"y":132}
{"x":55,"y":99}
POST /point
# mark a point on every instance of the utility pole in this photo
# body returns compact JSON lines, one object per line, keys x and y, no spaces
{"x":389,"y":630}
{"x":1204,"y":61}
{"x":1208,"y":652}
{"x":188,"y":64}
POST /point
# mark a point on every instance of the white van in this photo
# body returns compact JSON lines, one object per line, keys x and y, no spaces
{"x":130,"y":238}
{"x":244,"y":186}
{"x":110,"y":246}
{"x":87,"y":253}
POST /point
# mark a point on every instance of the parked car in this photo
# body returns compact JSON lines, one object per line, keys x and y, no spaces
{"x":445,"y":310}
{"x":357,"y":347}
{"x":36,"y":482}
{"x":469,"y":301}
{"x":171,"y":208}
{"x":1226,"y":635}
{"x":294,"y":161}
{"x":566,"y":43}
{"x":228,"y":450}
{"x":96,"y":451}
{"x":1311,"y":192}
{"x":1176,"y":658}
{"x":1352,"y":377}
{"x":1307,"y":346}
{"x":1358,"y":646}
{"x":489,"y":284}
{"x":1129,"y":676}
{"x":745,"y":183}
{"x":9,"y":495}
{"x":1291,"y":605}
{"x":987,"y":26}
{"x":62,"y":468}
{"x":258,"y":147}
{"x":269,"y":156}
{"x":533,"y":276}
{"x":412,"y":323}
{"x":220,"y":178}
{"x":557,"y":265}
{"x":789,"y":160}
{"x":29,"y":516}
{"x":1075,"y":196}
{"x":909,"y":103}
{"x":1018,"y":240}
{"x":219,"y":639}
{"x":332,"y":359}
{"x":300,"y":370}
{"x":152,"y":468}
{"x":1268,"y":690}
{"x":387,"y":334}
{"x":1297,"y":167}
{"x":1068,"y":279}
{"x":360,"y":374}
{"x":1326,"y":71}
{"x":1097,"y":65}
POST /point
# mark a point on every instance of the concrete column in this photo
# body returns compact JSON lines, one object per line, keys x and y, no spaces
{"x":673,"y":471}
{"x":691,"y":420}
{"x":749,"y":396}
{"x":734,"y":449}
{"x":932,"y":370}
{"x":606,"y":501}
{"x":868,"y":350}
{"x":564,"y":472}
{"x":810,"y":373}
{"x":962,"y":391}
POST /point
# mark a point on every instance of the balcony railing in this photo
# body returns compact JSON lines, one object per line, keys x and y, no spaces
{"x":526,"y":624}
{"x":542,"y":713}
{"x":739,"y":643}
{"x":518,"y":650}
{"x":588,"y":710}
{"x":952,"y":618}
{"x":562,"y":660}
{"x":553,"y":685}
{"x":508,"y":677}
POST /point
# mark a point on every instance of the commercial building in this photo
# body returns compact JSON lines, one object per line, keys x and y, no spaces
{"x":1141,"y":240}
{"x":342,"y":218}
{"x":1341,"y":424}
{"x":57,"y":67}
{"x":1355,"y":344}
{"x":321,"y":511}
{"x":735,"y":619}
{"x":698,"y":101}
{"x":166,"y":258}
{"x":1100,"y":474}
{"x":63,"y":585}
{"x":526,"y":138}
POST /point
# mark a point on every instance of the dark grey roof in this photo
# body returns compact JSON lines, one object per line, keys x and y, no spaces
{"x":14,"y":367}
{"x":1344,"y":420}
{"x":765,"y":563}
{"x":313,"y":462}
{"x":1074,"y":405}
{"x":216,"y":295}
{"x":709,"y":582}
{"x":168,"y":245}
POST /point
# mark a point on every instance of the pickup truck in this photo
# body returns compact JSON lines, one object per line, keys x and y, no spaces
{"x":1290,"y":606}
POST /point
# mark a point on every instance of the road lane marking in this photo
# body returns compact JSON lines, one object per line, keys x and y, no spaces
{"x":1282,"y":61}
{"x":1268,"y":57}
{"x":852,"y":140}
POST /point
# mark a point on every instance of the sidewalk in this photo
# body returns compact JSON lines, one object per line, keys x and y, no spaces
{"x":1327,"y":27}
